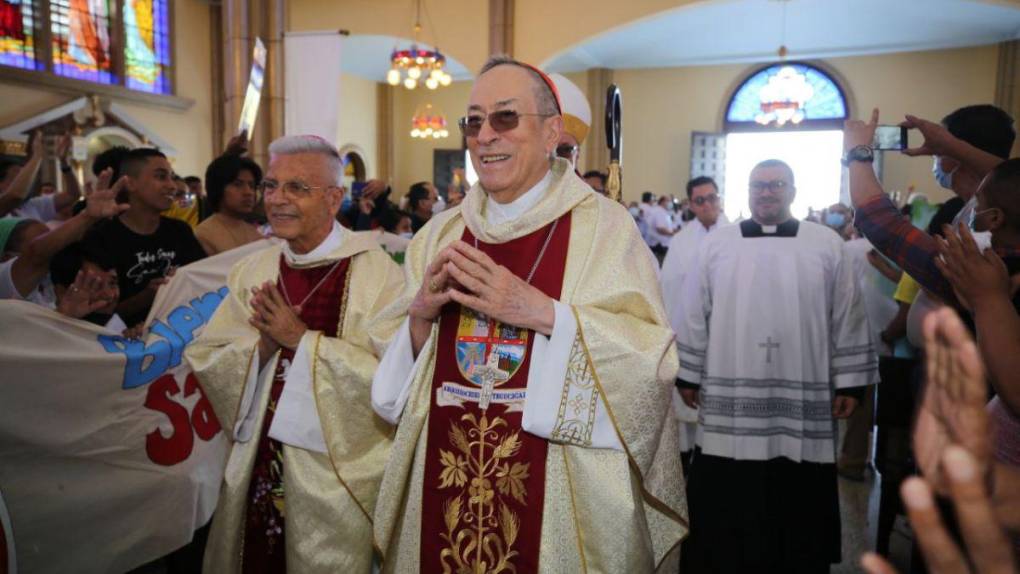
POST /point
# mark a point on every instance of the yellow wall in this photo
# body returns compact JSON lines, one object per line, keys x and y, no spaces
{"x":663,"y":106}
{"x":459,"y":27}
{"x":187,"y":131}
{"x":357,"y":119}
{"x":412,"y":158}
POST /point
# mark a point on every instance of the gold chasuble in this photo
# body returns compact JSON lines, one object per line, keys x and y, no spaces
{"x":466,"y":489}
{"x":327,"y":498}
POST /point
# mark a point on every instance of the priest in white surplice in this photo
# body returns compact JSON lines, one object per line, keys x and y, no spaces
{"x":703,"y":193}
{"x":776,"y":342}
{"x":531,"y":380}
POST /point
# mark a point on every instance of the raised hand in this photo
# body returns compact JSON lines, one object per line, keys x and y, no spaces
{"x":937,"y":139}
{"x":84,"y":296}
{"x":36,"y":145}
{"x":64,"y":147}
{"x":953,"y":408}
{"x":102,"y":201}
{"x":857,"y":132}
{"x":238,"y":145}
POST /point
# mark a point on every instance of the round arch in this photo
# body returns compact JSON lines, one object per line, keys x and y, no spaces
{"x":104,"y":138}
{"x":355,"y":166}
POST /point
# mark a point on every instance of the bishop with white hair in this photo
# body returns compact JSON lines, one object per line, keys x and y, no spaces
{"x":287,"y":362}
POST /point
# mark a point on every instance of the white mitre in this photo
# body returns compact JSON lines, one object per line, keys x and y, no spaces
{"x":576,"y":111}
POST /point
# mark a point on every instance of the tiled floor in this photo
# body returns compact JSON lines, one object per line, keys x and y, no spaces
{"x":858,"y":502}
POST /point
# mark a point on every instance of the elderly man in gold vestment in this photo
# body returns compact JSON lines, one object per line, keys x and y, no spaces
{"x":531,"y":375}
{"x":287,"y":362}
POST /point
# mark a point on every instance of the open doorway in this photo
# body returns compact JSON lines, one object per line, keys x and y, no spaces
{"x":813,"y":155}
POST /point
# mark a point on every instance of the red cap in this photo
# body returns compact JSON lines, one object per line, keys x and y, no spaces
{"x":552,"y":86}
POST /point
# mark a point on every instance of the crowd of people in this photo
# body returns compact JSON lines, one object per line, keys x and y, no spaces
{"x":530,"y":346}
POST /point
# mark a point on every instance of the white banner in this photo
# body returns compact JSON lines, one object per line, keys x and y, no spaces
{"x":312,"y":83}
{"x":111,"y":455}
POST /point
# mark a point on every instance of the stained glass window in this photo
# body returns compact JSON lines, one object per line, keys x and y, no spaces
{"x":81,"y":40}
{"x":17,"y":34}
{"x":826,"y":106}
{"x":147,"y":45}
{"x":119,"y":42}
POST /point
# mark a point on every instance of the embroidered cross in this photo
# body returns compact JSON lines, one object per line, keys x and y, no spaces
{"x":768,"y":345}
{"x":490,"y":374}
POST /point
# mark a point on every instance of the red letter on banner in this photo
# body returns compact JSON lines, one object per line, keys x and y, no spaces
{"x":168,"y":451}
{"x":202,"y":417}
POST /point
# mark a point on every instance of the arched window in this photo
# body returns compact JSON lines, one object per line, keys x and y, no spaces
{"x":791,"y":95}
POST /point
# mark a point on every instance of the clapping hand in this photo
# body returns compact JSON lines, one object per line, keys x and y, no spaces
{"x":988,"y":551}
{"x":953,"y":408}
{"x":85,"y":296}
{"x":952,"y":442}
{"x":975,"y":276}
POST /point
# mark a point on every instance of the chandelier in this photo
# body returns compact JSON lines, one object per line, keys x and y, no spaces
{"x":784,"y":96}
{"x":427,"y":124}
{"x":415,"y":64}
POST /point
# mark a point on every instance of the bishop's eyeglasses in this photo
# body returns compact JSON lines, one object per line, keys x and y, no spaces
{"x":500,"y":121}
{"x":291,"y":188}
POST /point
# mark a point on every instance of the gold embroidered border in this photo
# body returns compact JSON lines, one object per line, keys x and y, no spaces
{"x":652,"y":500}
{"x":580,"y":395}
{"x":343,"y":299}
{"x":573,"y":507}
{"x":315,"y":395}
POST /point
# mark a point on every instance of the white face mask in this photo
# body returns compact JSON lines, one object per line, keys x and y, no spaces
{"x":407,"y":234}
{"x":983,"y":239}
{"x":438,"y":206}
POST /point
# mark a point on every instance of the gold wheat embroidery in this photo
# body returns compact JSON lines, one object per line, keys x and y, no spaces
{"x":479,"y":539}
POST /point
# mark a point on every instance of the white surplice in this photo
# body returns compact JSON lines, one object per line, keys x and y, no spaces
{"x":549,"y":356}
{"x":676,"y":268}
{"x":773,"y":326}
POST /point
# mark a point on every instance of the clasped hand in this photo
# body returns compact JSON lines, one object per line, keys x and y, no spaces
{"x":465,"y":275}
{"x":277,"y":321}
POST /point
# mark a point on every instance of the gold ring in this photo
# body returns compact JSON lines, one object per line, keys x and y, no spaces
{"x":432,"y":286}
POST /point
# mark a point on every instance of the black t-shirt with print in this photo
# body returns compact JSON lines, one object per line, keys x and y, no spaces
{"x":141,"y":258}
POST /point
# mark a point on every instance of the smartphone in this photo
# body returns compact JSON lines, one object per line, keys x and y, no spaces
{"x":890,"y":138}
{"x":357,"y":190}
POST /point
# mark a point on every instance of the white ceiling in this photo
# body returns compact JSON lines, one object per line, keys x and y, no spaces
{"x":733,"y":31}
{"x":369,"y":57}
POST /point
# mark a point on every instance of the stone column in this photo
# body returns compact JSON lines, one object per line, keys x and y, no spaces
{"x":236,"y":65}
{"x":501,"y":27}
{"x":385,"y":131}
{"x":273,"y":90}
